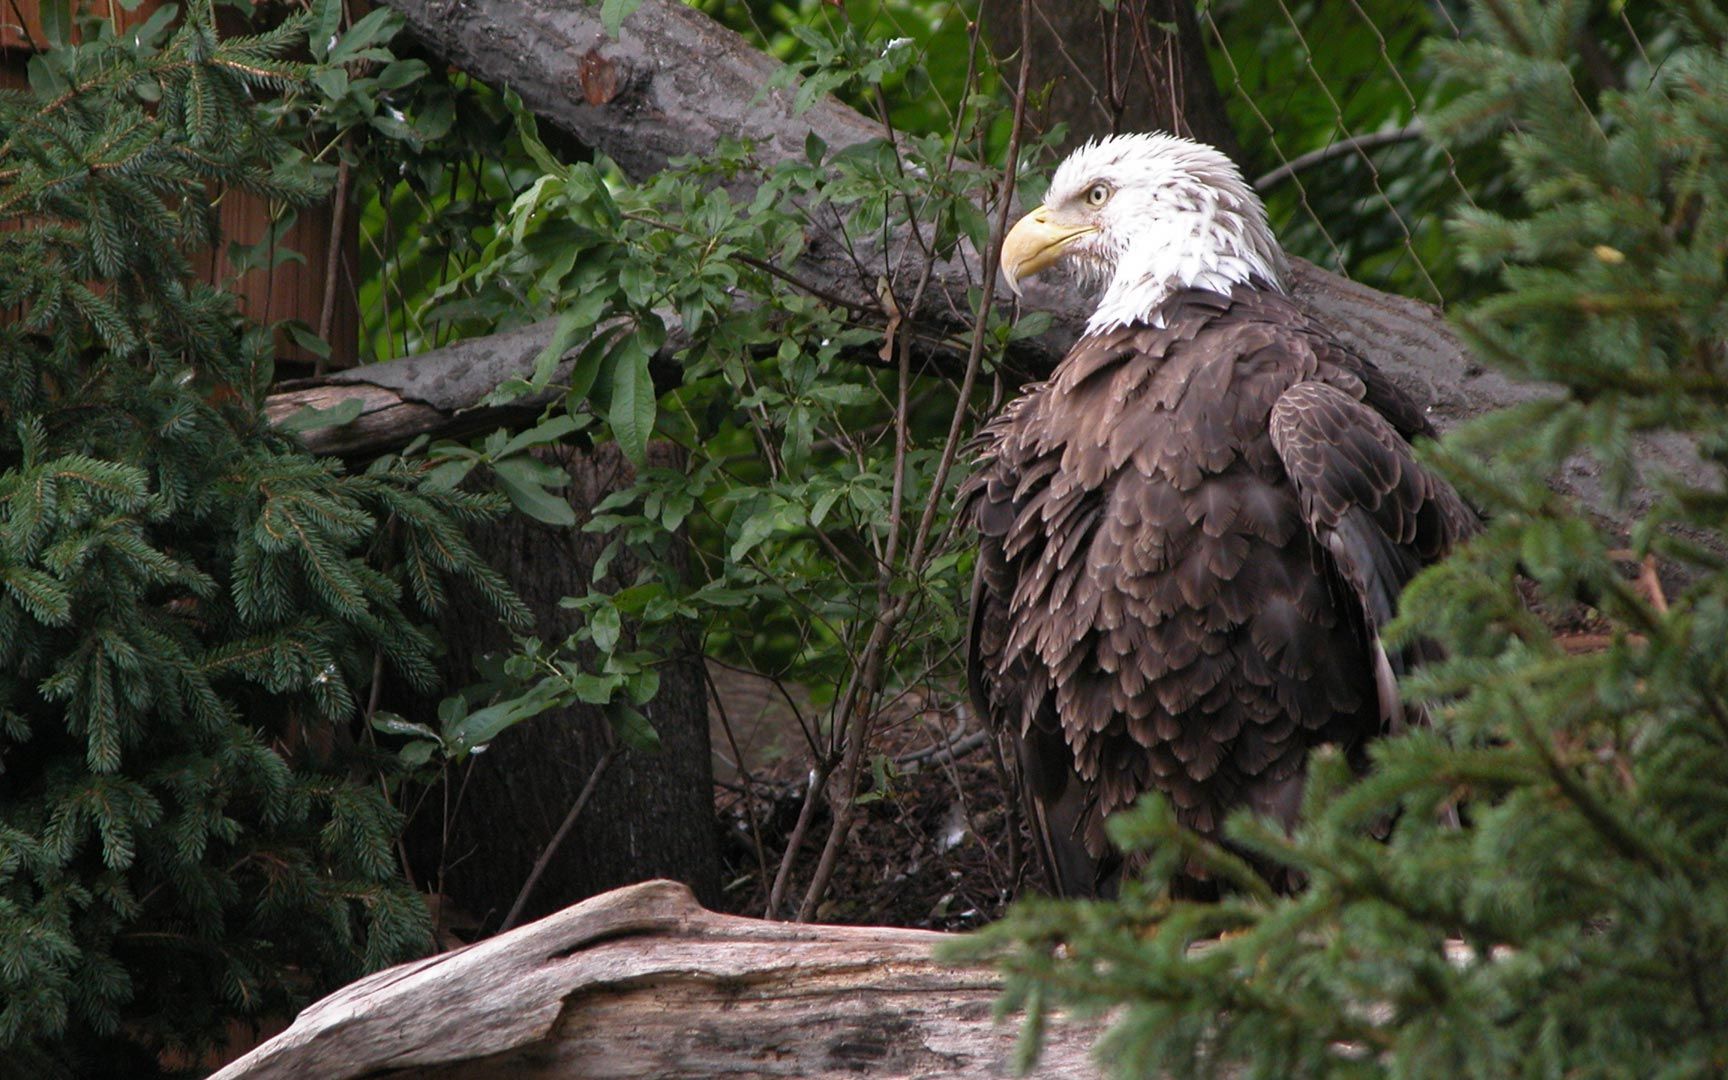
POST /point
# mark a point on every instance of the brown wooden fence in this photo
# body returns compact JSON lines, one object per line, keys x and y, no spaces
{"x":292,"y":289}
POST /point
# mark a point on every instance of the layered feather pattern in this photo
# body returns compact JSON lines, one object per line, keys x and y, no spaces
{"x":1189,"y":537}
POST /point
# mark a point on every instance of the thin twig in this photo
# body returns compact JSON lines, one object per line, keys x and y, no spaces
{"x":1355,"y":144}
{"x":882,"y":632}
{"x":333,"y":259}
{"x":1011,"y":784}
{"x":763,"y":265}
{"x":372,"y":699}
{"x":780,"y":687}
{"x":1651,"y":582}
{"x":801,"y":828}
{"x":942,"y":753}
{"x":743,"y":771}
{"x":564,"y":828}
{"x":1001,"y":880}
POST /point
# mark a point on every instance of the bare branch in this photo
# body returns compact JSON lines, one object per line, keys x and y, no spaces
{"x":1355,"y":144}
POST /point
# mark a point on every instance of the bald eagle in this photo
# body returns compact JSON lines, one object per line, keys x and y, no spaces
{"x":1192,"y":533}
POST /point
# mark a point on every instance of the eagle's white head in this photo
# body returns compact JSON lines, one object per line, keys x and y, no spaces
{"x":1146,"y":216}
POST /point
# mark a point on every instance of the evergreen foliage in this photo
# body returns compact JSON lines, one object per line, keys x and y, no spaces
{"x":192,"y":609}
{"x":1587,"y":892}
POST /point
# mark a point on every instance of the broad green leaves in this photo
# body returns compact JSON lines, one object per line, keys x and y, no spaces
{"x":778,"y":474}
{"x":677,"y":316}
{"x":632,"y":409}
{"x":845,"y":59}
{"x":529,"y":481}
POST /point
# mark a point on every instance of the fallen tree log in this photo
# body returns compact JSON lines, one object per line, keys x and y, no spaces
{"x":674,"y":83}
{"x":436,"y":393}
{"x":644,"y":982}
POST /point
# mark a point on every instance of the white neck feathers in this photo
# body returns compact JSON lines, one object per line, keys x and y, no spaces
{"x":1213,"y":245}
{"x":1179,"y":216}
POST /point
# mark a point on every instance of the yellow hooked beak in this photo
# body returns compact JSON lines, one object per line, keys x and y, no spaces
{"x":1037,"y":242}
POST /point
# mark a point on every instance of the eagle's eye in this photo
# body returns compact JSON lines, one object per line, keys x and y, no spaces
{"x":1097,"y":194}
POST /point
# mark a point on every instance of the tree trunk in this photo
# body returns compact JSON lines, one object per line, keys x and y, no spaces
{"x":644,"y":983}
{"x":650,"y":814}
{"x":1137,"y":66}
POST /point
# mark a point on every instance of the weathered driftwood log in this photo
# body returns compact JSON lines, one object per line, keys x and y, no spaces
{"x":643,"y":982}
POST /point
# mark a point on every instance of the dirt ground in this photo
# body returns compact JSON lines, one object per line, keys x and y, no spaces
{"x":931,"y":845}
{"x":940,"y":845}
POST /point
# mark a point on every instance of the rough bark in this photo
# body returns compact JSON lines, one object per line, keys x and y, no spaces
{"x":674,"y":82}
{"x":1137,"y":66}
{"x":643,"y":982}
{"x":651,"y":813}
{"x":434,"y":393}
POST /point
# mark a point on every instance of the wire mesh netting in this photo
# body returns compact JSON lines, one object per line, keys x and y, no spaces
{"x":1329,"y":99}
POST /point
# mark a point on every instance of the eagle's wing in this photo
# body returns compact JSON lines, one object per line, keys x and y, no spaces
{"x":1379,"y":513}
{"x":1002,"y":694}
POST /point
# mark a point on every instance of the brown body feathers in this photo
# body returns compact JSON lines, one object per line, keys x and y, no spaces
{"x":1190,"y":536}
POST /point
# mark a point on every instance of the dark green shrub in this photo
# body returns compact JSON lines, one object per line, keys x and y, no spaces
{"x":192,"y":609}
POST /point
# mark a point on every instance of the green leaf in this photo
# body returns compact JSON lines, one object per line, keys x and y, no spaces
{"x":450,"y":473}
{"x":644,"y":687}
{"x":816,"y":87}
{"x":311,"y":418}
{"x":605,"y":626}
{"x":306,"y":338}
{"x":451,"y":711}
{"x":824,"y":503}
{"x":574,"y":323}
{"x":56,"y":18}
{"x":614,"y":12}
{"x":594,"y":689}
{"x":399,"y":73}
{"x":47,"y":73}
{"x":483,"y":725}
{"x":523,"y":483}
{"x":392,"y":724}
{"x":586,"y":370}
{"x":528,"y":130}
{"x":326,"y":20}
{"x":764,"y":521}
{"x":632,"y":728}
{"x":973,"y":223}
{"x":149,"y":33}
{"x":1030,"y":325}
{"x":881,"y":781}
{"x":416,"y":753}
{"x":378,"y":25}
{"x":633,"y":406}
{"x":544,"y":433}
